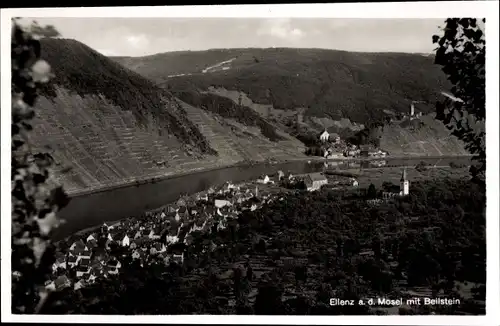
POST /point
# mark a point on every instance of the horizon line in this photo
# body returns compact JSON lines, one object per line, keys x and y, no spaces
{"x":245,"y":48}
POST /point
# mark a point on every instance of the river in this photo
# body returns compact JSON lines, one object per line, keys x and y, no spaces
{"x":89,"y":210}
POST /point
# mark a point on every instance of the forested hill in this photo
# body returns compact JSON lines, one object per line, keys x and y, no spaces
{"x":328,"y":83}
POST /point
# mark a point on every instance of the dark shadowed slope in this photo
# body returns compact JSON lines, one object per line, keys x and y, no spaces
{"x":329,"y":83}
{"x":84,"y":71}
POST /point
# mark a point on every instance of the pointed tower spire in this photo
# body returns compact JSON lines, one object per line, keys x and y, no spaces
{"x":403,"y":175}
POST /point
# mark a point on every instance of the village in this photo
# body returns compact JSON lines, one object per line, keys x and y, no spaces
{"x":333,"y":147}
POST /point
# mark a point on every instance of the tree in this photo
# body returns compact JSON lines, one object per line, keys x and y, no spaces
{"x":461,"y":53}
{"x":372,"y":191}
{"x":36,"y":196}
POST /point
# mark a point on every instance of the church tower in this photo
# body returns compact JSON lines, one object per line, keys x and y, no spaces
{"x":404,"y":184}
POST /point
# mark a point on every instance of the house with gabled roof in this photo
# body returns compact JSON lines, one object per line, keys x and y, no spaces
{"x":86,"y":254}
{"x":78,"y":246}
{"x":219,"y":203}
{"x":138,"y":234}
{"x":72,"y":261}
{"x":324,"y":136}
{"x":171,"y":209}
{"x":60,"y":263}
{"x":92,"y":277}
{"x":91,"y":244}
{"x":264,"y":179}
{"x":182,"y":212}
{"x":81,"y":270}
{"x":78,"y":285}
{"x":84,"y":262}
{"x":154,"y":233}
{"x":315,"y":181}
{"x":125,"y":242}
{"x":91,"y":236}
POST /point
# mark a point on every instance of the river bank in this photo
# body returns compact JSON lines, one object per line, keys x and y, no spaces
{"x":173,"y":175}
{"x":133,"y":200}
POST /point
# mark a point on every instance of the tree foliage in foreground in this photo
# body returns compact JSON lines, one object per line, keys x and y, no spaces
{"x":36,"y":197}
{"x":461,"y":53}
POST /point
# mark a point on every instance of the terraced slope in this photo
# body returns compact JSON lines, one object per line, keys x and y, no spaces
{"x":235,"y":141}
{"x":429,"y":137}
{"x":110,"y":125}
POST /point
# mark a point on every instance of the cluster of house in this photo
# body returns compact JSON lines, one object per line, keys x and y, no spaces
{"x":151,"y":239}
{"x":371,"y":151}
{"x":335,"y":147}
{"x":313,"y":181}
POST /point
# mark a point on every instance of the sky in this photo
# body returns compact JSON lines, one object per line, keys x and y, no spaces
{"x":145,"y":36}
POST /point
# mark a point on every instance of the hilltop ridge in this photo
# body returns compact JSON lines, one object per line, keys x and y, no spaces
{"x":327,"y":83}
{"x":304,"y":91}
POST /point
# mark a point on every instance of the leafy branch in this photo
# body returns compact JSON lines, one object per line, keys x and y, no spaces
{"x":461,"y":53}
{"x":36,"y":196}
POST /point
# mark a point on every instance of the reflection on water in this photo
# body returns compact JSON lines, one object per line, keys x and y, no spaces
{"x":356,"y":164}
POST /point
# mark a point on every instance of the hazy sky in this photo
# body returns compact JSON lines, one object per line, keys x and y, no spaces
{"x":143,"y":36}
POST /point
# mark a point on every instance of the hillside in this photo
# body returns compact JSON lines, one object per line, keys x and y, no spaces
{"x":427,"y":136}
{"x":112,"y":126}
{"x":328,"y":83}
{"x":308,"y":90}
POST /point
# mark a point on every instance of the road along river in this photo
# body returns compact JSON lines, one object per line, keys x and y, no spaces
{"x":89,"y":210}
